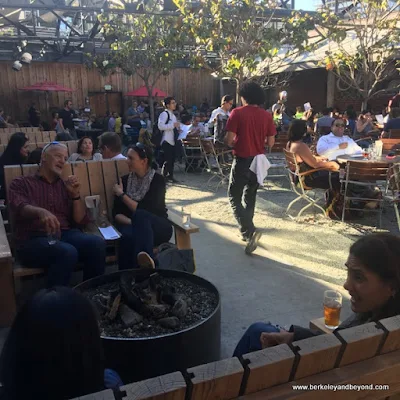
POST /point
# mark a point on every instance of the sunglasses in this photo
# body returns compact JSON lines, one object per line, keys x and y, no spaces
{"x":141,"y":150}
{"x":48,"y":145}
{"x":340,"y":125}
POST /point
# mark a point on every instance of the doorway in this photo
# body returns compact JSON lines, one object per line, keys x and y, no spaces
{"x":103,"y":102}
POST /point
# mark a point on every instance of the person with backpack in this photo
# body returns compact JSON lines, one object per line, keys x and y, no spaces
{"x":219,"y":118}
{"x":168,"y":125}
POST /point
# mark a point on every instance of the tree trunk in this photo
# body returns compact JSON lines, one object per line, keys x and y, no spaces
{"x":151,"y":102}
{"x":364,"y":104}
{"x":238,"y":102}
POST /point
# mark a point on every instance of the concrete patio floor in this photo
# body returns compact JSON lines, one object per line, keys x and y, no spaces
{"x":255,"y":288}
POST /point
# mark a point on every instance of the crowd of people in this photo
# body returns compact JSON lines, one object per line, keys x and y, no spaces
{"x":54,"y":344}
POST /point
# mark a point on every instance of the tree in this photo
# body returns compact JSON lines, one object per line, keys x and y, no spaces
{"x":148,"y":45}
{"x":362,"y":43}
{"x":233,"y":38}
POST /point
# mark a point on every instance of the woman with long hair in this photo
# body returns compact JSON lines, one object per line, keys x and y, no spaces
{"x":139,"y":210}
{"x":308,"y":161}
{"x":86,"y":151}
{"x":16,"y":153}
{"x":53,"y":350}
{"x":373,"y":282}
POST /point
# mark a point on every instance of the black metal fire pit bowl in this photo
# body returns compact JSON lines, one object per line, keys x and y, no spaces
{"x":142,"y":358}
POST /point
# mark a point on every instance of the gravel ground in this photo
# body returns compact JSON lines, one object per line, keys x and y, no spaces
{"x":315,"y":245}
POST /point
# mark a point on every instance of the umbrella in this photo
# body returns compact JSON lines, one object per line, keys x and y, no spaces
{"x":46,"y":87}
{"x":142,"y":92}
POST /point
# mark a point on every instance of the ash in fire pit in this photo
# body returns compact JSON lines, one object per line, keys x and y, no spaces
{"x":147,"y":305}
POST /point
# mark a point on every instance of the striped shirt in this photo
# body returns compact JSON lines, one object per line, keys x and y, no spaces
{"x":36,"y":191}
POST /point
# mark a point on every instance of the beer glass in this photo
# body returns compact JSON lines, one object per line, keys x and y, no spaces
{"x":332,"y":307}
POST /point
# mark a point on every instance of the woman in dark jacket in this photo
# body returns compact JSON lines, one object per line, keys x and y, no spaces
{"x":15,"y":153}
{"x":139,"y":209}
{"x":373,"y":282}
{"x":54,"y":350}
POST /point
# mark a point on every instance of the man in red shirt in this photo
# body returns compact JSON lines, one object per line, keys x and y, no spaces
{"x":249,"y":129}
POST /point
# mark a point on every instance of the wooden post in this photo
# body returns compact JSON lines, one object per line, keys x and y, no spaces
{"x":182,"y":239}
{"x":166,"y":387}
{"x":330,"y":89}
{"x":268,"y":367}
{"x":8,"y":307}
{"x":362,"y":342}
{"x":392,"y":342}
{"x":316,"y":354}
{"x":219,"y":380}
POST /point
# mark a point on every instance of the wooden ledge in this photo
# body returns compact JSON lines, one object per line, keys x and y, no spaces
{"x":176,"y":220}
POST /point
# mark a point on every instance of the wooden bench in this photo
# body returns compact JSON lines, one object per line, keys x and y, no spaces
{"x":35,"y":136}
{"x":96,"y":178}
{"x":72,"y":145}
{"x":364,"y":355}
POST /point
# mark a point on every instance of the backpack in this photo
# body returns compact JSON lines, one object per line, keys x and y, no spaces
{"x":220,"y":128}
{"x":157,"y":135}
{"x":170,"y":257}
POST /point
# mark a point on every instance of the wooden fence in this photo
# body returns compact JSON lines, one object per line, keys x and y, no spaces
{"x":185,"y":84}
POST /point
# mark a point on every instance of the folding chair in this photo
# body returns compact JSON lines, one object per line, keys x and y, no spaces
{"x":275,"y":155}
{"x":216,"y":162}
{"x":298,"y":185}
{"x":365,"y":174}
{"x":192,"y":152}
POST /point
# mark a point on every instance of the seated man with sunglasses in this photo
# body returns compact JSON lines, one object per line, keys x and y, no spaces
{"x":337,"y":143}
{"x":47,"y":211}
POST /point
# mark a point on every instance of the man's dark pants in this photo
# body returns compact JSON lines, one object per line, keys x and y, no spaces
{"x":242,"y":194}
{"x":61,"y":258}
{"x":169,"y":160}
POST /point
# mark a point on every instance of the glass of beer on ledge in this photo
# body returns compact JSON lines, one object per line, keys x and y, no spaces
{"x":332,"y":307}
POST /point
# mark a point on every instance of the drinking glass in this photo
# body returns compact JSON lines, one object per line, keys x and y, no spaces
{"x":186,"y":219}
{"x":51,"y":239}
{"x":332,"y":307}
{"x":366,"y":153}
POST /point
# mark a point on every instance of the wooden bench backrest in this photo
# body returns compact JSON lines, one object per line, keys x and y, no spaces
{"x":389,"y":143}
{"x":95,"y":177}
{"x":394,"y":134}
{"x":35,"y":136}
{"x":362,"y":355}
{"x":72,"y":146}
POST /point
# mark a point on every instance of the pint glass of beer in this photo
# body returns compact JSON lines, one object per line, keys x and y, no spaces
{"x":332,"y":306}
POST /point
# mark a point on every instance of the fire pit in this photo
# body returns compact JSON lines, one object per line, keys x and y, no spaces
{"x":153,"y":322}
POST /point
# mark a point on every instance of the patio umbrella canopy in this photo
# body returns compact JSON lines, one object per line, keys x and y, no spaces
{"x":46,"y":87}
{"x":142,"y":92}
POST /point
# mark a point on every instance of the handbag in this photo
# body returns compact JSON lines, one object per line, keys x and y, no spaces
{"x":170,"y":257}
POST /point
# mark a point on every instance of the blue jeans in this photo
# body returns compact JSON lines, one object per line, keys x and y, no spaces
{"x":60,"y":258}
{"x":250,"y":341}
{"x":146,"y":231}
